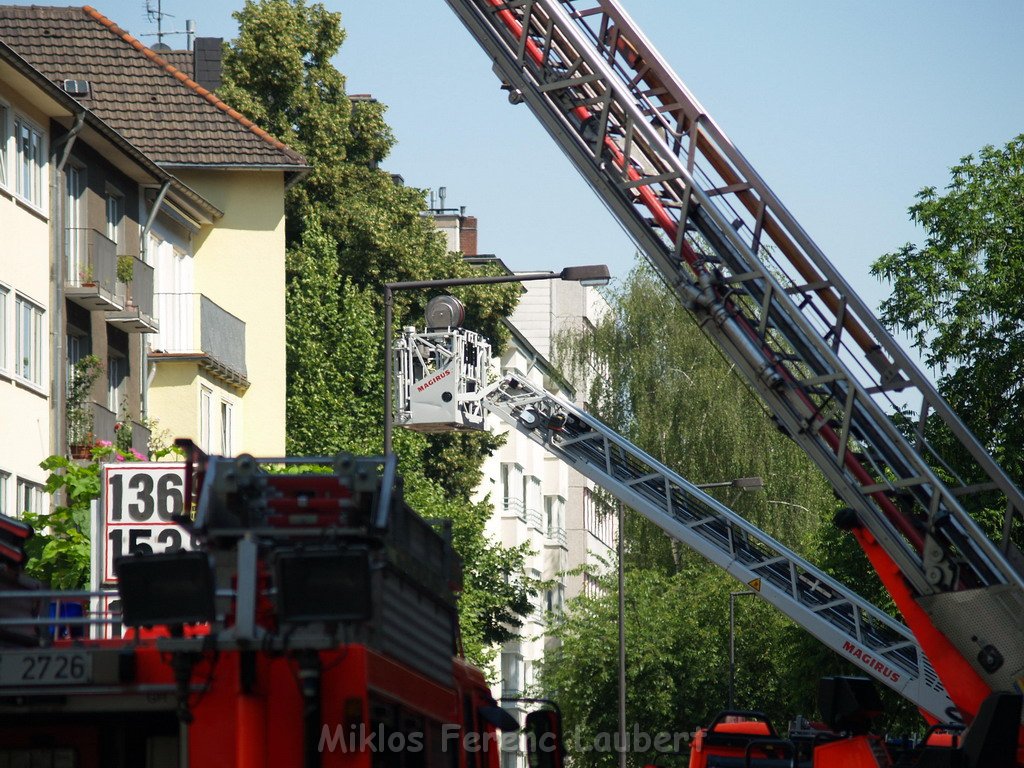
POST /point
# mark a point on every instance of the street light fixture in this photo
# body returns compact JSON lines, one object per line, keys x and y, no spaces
{"x":739,"y":483}
{"x":588,"y":275}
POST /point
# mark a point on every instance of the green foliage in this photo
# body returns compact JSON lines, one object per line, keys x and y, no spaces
{"x":655,"y":378}
{"x":351,"y":228}
{"x":59,"y":553}
{"x":83,"y":375}
{"x":958,"y":299}
{"x":125,"y":268}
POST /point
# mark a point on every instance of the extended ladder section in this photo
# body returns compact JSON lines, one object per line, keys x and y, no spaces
{"x":842,"y":620}
{"x":762,"y":290}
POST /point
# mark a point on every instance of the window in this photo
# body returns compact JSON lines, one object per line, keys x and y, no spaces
{"x":3,"y":144}
{"x":597,"y":518}
{"x":533,"y":499}
{"x":115,"y":217}
{"x":30,"y":498}
{"x":512,"y":489}
{"x":29,"y":161}
{"x":28,"y":330}
{"x":226,"y":426}
{"x":205,"y":416}
{"x":74,"y":183}
{"x":555,"y":598}
{"x":117,"y":384}
{"x":3,"y":328}
{"x":511,"y":674}
{"x":554,"y":515}
{"x":4,"y":482}
{"x":537,"y":600}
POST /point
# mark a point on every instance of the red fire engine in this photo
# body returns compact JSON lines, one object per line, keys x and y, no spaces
{"x":315,"y":625}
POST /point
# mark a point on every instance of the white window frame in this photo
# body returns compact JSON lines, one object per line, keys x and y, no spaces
{"x":5,"y":134}
{"x":512,"y":667}
{"x":114,"y":202}
{"x":30,"y":498}
{"x":205,"y":417}
{"x":512,"y":489}
{"x":29,"y":172}
{"x":554,"y":515}
{"x":117,"y":382}
{"x":28,"y":362}
{"x":5,"y":293}
{"x":5,"y":478}
{"x":74,"y":221}
{"x":227,"y":427}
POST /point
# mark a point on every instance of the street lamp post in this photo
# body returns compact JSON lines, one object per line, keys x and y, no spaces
{"x":732,"y":641}
{"x":741,"y":484}
{"x":593,"y":274}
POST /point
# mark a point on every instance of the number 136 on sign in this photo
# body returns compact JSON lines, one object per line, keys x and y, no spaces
{"x":140,"y":503}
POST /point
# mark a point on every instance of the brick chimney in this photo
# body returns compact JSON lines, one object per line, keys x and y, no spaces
{"x":206,"y":62}
{"x":467,"y":235}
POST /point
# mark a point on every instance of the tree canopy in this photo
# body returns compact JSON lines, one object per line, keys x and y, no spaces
{"x":958,"y":297}
{"x":351,"y":227}
{"x":655,"y":378}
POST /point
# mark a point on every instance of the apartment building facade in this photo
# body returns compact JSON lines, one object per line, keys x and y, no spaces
{"x":538,"y":500}
{"x":146,"y":251}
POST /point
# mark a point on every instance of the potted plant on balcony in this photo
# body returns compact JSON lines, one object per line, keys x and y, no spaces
{"x":81,"y":377}
{"x":125,"y":273}
{"x":86,"y":276}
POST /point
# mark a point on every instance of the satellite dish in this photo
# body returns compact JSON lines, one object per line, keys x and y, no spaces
{"x":161,"y":47}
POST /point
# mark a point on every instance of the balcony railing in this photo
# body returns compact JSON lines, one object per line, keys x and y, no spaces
{"x":137,"y":298}
{"x":91,"y":276}
{"x":193,"y":326}
{"x":556,"y":536}
{"x":514,"y":507}
{"x":88,"y":424}
{"x":535,"y":519}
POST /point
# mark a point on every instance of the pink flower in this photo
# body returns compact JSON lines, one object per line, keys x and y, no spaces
{"x":138,"y":455}
{"x":120,"y":457}
{"x":104,"y":443}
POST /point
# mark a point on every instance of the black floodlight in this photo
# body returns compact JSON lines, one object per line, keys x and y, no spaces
{"x":330,"y":585}
{"x":169,"y":589}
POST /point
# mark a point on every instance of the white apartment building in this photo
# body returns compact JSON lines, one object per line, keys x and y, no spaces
{"x":538,"y":499}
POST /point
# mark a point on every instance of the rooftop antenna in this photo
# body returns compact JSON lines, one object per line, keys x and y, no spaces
{"x":442,"y":193}
{"x":155,"y":12}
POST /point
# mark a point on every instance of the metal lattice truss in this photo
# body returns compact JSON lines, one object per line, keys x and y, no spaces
{"x":845,"y":622}
{"x":764,"y":292}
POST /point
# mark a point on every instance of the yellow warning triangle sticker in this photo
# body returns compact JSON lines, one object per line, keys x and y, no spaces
{"x":754,"y":584}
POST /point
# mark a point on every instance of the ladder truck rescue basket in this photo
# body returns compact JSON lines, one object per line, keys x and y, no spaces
{"x":441,"y":377}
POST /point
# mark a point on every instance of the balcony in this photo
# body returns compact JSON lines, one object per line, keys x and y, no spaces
{"x":136,"y":295}
{"x":195,"y":329}
{"x":88,"y":424}
{"x":91,"y":276}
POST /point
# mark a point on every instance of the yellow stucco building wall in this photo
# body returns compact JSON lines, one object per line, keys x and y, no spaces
{"x":239,"y":264}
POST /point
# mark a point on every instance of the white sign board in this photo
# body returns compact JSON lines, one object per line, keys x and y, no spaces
{"x":139,"y":502}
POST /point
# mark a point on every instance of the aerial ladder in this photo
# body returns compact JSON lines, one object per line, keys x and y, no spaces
{"x":760,"y":288}
{"x":438,"y":391}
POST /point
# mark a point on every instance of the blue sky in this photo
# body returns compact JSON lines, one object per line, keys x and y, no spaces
{"x":846,"y":109}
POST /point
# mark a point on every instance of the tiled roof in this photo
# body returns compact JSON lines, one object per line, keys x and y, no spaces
{"x":148,"y":101}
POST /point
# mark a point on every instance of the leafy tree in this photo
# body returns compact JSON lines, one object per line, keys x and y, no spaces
{"x":958,"y":299}
{"x":351,"y":228}
{"x":653,"y":377}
